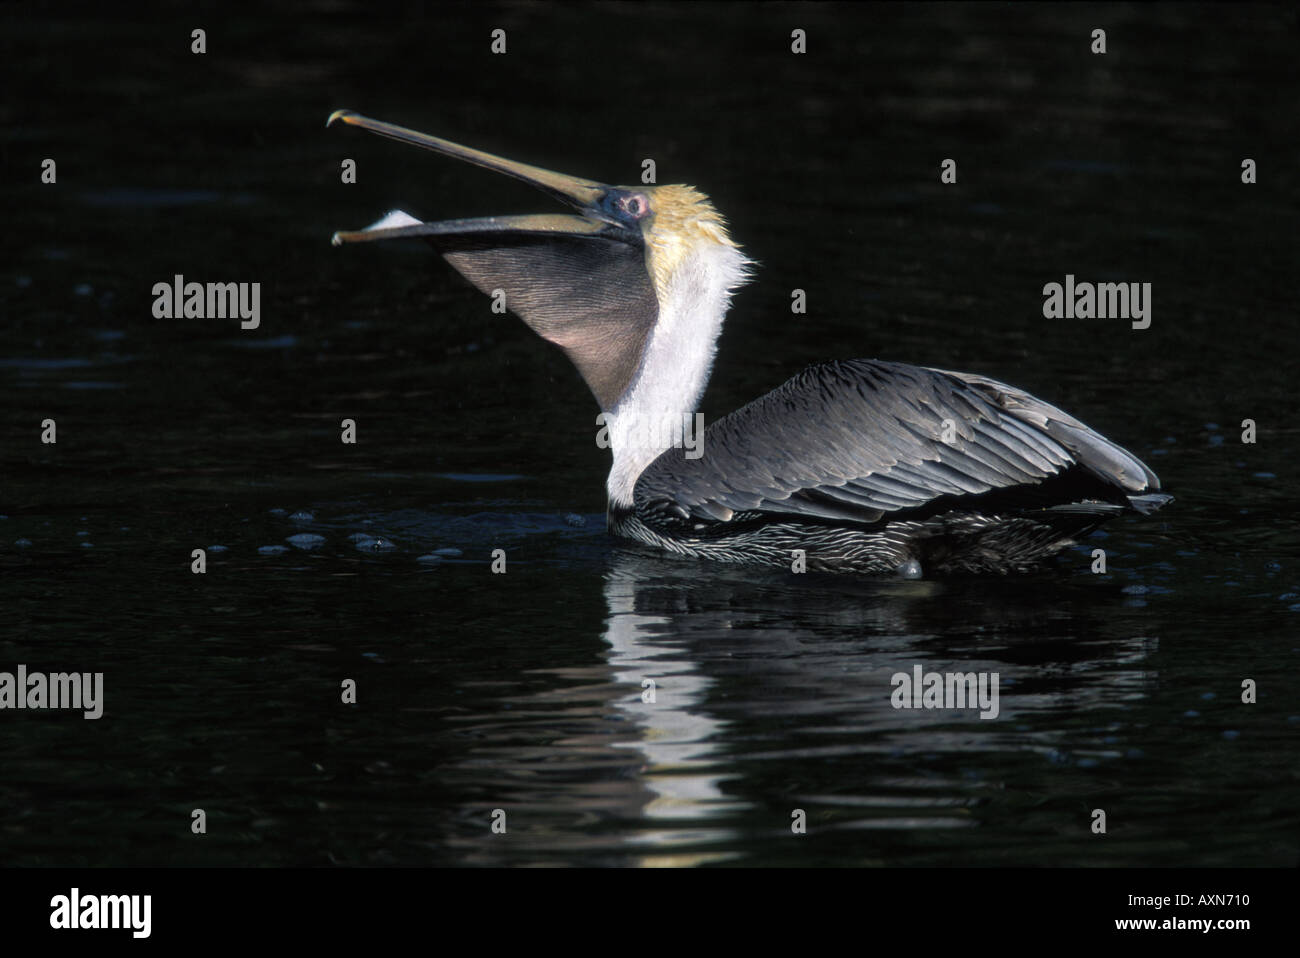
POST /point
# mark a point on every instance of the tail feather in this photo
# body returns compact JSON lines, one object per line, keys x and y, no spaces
{"x":1150,"y":502}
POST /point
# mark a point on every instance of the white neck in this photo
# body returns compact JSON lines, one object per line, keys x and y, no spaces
{"x":675,"y":365}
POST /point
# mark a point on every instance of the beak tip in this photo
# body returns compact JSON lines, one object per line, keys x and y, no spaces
{"x":339,"y":115}
{"x":336,"y":240}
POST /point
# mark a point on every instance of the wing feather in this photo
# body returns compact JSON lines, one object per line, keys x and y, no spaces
{"x":860,"y":440}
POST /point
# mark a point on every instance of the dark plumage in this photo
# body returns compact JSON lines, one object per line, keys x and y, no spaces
{"x":848,"y":462}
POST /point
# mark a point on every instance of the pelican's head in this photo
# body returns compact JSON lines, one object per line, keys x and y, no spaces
{"x":633,"y":287}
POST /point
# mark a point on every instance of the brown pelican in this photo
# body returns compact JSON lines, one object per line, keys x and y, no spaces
{"x":859,"y":465}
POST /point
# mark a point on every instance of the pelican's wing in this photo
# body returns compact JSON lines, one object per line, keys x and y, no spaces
{"x":862,"y":440}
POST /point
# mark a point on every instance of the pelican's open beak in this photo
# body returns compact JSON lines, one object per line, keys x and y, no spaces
{"x":587,"y":196}
{"x":580,"y":281}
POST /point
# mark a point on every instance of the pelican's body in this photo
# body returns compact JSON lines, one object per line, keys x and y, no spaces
{"x":860,"y":465}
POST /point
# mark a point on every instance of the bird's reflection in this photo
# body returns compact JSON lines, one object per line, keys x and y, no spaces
{"x":678,"y":737}
{"x":754,"y":672}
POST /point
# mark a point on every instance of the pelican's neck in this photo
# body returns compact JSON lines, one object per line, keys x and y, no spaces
{"x":657,"y":411}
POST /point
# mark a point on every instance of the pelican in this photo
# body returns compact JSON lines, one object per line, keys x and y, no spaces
{"x":859,"y":465}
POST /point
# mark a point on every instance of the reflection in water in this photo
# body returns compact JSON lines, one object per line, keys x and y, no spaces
{"x":791,"y":671}
{"x":678,"y":739}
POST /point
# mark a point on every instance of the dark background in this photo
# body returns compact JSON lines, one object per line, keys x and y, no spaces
{"x":522,"y":691}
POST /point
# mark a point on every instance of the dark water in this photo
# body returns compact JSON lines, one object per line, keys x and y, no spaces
{"x":522,"y":691}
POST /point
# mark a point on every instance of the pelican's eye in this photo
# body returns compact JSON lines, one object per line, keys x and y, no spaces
{"x":634,"y":205}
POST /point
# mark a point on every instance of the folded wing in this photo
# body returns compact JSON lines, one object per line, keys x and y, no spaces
{"x":861,"y":441}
